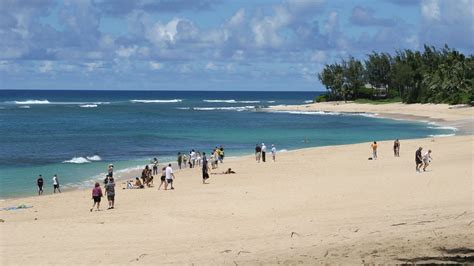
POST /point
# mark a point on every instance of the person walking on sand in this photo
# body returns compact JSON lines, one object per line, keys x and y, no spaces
{"x":192,"y":156}
{"x":374,"y":150}
{"x":258,"y":151}
{"x":56,"y":184}
{"x":96,"y":196}
{"x":205,"y":169}
{"x":418,"y":159}
{"x":396,"y":148}
{"x":264,"y":152}
{"x":110,"y":170}
{"x":426,"y":160}
{"x":40,"y":183}
{"x":180,"y":160}
{"x":274,"y":151}
{"x":110,"y":192}
{"x":185,"y":160}
{"x":155,"y":166}
{"x":169,"y":176}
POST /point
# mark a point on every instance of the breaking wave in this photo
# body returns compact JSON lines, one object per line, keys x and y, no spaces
{"x":157,"y":101}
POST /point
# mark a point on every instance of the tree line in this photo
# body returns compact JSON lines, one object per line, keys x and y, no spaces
{"x":428,"y":76}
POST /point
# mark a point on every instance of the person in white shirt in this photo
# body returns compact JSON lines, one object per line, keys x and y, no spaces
{"x":192,"y":155}
{"x":274,"y":151}
{"x":264,"y":151}
{"x":56,"y":184}
{"x":426,"y":159}
{"x":169,"y":176}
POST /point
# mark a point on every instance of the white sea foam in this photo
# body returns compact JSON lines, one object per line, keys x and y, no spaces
{"x":220,"y":101}
{"x":32,"y":102}
{"x":270,"y":101}
{"x":157,"y":101}
{"x":77,"y":160}
{"x":371,"y":115}
{"x":183,"y":108}
{"x":94,"y":158}
{"x":283,"y":150}
{"x":441,"y":135}
{"x":444,"y":127}
{"x":24,"y":106}
{"x":248,"y":101}
{"x":309,"y":101}
{"x":88,"y":105}
{"x":236,"y":108}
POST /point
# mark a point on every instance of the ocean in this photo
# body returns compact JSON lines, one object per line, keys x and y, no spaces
{"x":76,"y":134}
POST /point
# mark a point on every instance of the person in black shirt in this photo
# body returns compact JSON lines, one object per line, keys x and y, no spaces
{"x":40,"y":183}
{"x":205,"y":168}
{"x":258,"y":152}
{"x":418,"y":159}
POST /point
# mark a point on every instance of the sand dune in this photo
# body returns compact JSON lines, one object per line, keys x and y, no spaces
{"x":327,"y":204}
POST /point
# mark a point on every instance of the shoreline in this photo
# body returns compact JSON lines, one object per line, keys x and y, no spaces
{"x":442,"y":114}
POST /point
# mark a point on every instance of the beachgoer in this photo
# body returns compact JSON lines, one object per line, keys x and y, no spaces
{"x":110,"y":192}
{"x":274,"y":151}
{"x":96,"y":195}
{"x":426,"y":159}
{"x":106,"y":180}
{"x":198,"y":158}
{"x":192,"y":156}
{"x":396,"y":148}
{"x":40,"y":183}
{"x":145,"y":175}
{"x":185,"y":160}
{"x":169,"y":176}
{"x":155,"y":166}
{"x":374,"y":150}
{"x":130,"y":184}
{"x":162,"y":178}
{"x":216,"y":157}
{"x":110,"y":170}
{"x":221,"y":154}
{"x":227,"y":172}
{"x":264,"y":152}
{"x":258,"y":151}
{"x":418,"y":159}
{"x":180,"y":160}
{"x":205,"y":168}
{"x":138,"y":184}
{"x":56,"y":184}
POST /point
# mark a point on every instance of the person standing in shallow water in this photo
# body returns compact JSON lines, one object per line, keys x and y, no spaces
{"x":56,"y":184}
{"x":396,"y":148}
{"x":40,"y":183}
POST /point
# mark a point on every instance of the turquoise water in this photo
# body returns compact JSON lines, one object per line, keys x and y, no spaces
{"x":76,"y":134}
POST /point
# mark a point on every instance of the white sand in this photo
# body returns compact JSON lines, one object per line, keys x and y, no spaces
{"x":318,"y":205}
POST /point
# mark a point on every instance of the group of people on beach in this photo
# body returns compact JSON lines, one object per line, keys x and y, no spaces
{"x":422,"y":160}
{"x":40,"y":184}
{"x":261,"y":152}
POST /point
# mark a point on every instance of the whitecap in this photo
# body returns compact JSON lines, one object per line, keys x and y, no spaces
{"x":309,"y":101}
{"x":24,"y":107}
{"x":78,"y":160}
{"x":32,"y":102}
{"x":270,"y":101}
{"x":444,"y":127}
{"x":157,"y":101}
{"x":88,"y":105}
{"x":248,"y":101}
{"x":236,"y":108}
{"x":441,"y":135}
{"x":94,"y":158}
{"x":220,"y":101}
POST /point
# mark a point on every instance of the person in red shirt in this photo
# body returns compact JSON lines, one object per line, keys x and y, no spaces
{"x":96,"y":195}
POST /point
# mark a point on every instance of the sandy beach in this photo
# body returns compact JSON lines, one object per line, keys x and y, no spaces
{"x":460,"y":117}
{"x":317,"y":205}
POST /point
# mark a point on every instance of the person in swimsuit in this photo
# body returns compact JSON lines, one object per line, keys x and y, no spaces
{"x":40,"y":183}
{"x":374,"y":150}
{"x":396,"y":148}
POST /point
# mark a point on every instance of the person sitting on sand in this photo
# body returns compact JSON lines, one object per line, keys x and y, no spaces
{"x":426,"y":160}
{"x":396,"y":148}
{"x":138,"y":184}
{"x":110,"y":192}
{"x":418,"y":159}
{"x":374,"y":150}
{"x":96,"y":196}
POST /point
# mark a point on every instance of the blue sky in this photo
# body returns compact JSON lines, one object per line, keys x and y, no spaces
{"x":211,"y":44}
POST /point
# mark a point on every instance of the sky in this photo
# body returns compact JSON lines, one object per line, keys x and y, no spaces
{"x":211,"y":44}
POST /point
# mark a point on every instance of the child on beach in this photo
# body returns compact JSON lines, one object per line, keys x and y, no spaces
{"x":426,"y":160}
{"x":163,"y":178}
{"x":110,"y":192}
{"x":96,"y":196}
{"x":374,"y":150}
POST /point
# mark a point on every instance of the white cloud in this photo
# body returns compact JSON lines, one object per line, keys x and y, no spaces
{"x":211,"y":66}
{"x":46,"y":67}
{"x":126,"y":51}
{"x":430,"y":9}
{"x":92,"y":66}
{"x":155,"y":65}
{"x":318,"y":56}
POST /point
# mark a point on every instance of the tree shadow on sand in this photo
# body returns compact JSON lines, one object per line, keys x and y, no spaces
{"x":454,"y":255}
